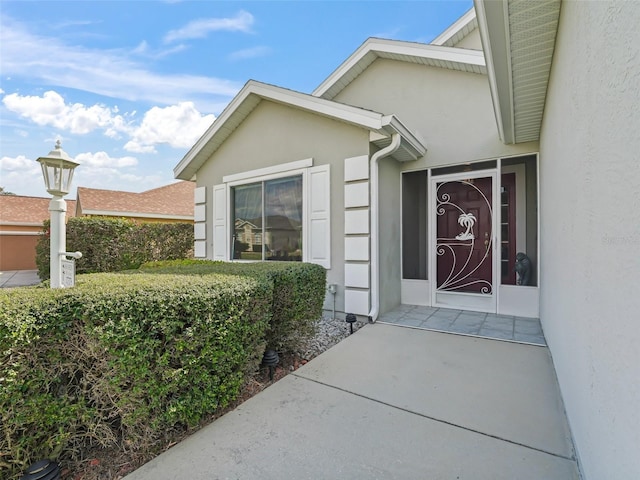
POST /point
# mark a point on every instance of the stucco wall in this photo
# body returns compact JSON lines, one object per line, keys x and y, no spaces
{"x":451,"y":110}
{"x":274,"y":134}
{"x":471,"y":41}
{"x":390,"y":223}
{"x":590,"y":234}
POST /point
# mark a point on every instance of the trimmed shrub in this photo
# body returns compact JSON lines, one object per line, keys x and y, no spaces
{"x":116,"y":244}
{"x":298,"y":293}
{"x":119,"y":359}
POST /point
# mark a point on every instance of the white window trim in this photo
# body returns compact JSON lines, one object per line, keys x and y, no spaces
{"x":256,"y":175}
{"x":303,"y":168}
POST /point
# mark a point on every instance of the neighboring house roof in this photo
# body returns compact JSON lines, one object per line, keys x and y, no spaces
{"x":17,"y":210}
{"x":254,"y":92}
{"x":174,"y":201}
{"x":518,"y":38}
{"x":458,"y":31}
{"x":432,"y":55}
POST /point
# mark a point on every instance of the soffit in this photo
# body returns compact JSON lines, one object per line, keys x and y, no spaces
{"x":519,"y":40}
{"x":464,"y":60}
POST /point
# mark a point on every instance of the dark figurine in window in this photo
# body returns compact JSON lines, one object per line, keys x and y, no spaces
{"x":523,"y":269}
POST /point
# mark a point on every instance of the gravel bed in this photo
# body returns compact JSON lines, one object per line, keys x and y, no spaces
{"x":329,"y":331}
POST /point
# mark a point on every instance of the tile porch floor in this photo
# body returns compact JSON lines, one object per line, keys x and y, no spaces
{"x":502,"y":327}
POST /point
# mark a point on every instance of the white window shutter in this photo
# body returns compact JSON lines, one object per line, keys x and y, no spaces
{"x":319,"y":216}
{"x":220,"y":222}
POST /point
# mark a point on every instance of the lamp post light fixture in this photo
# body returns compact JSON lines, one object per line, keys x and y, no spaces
{"x":57,"y":170}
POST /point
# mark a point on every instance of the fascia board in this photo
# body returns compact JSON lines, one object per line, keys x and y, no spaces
{"x":107,"y":213}
{"x":358,"y":116}
{"x":416,"y":145}
{"x":377,"y":46}
{"x":22,"y":224}
{"x":218,"y":123}
{"x":456,"y":27}
{"x":493,"y":23}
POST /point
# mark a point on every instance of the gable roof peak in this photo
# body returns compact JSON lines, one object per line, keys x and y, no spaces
{"x":453,"y":58}
{"x":458,"y":30}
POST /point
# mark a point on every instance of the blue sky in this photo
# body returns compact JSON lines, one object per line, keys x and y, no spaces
{"x":129,"y":86}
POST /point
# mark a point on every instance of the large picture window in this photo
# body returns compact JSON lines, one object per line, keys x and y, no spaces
{"x":267,"y":220}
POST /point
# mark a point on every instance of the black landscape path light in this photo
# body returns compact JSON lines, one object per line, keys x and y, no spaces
{"x":351,"y":319}
{"x":270,"y":359}
{"x":42,"y":470}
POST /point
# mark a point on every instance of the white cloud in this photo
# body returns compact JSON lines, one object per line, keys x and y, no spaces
{"x":116,"y":73}
{"x":115,"y":179}
{"x":51,"y":109}
{"x":242,"y":22}
{"x":19,"y":163}
{"x":178,"y":125}
{"x":20,"y":173}
{"x":254,"y":52}
{"x":102,"y":159}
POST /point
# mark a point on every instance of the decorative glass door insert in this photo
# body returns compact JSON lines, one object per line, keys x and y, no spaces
{"x":464,"y":236}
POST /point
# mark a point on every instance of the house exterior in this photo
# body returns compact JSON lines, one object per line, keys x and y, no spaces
{"x":494,"y":169}
{"x":169,"y":203}
{"x":21,"y":220}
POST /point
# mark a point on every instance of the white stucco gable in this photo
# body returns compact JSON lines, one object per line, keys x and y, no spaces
{"x":381,"y":126}
{"x":462,"y":33}
{"x":465,"y":60}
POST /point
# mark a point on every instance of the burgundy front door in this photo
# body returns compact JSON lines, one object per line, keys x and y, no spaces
{"x":464,"y":236}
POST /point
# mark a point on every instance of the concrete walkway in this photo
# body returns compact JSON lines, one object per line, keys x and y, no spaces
{"x":18,"y":278}
{"x":392,"y":402}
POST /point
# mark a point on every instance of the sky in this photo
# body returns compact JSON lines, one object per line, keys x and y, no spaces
{"x":129,"y":86}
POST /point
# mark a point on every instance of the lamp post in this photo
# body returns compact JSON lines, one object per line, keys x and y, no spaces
{"x":57,"y":169}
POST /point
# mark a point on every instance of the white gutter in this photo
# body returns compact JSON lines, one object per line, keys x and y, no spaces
{"x":375,"y":244}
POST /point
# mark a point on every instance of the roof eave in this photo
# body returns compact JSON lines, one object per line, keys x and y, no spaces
{"x":455,"y":29}
{"x":234,"y":113}
{"x":414,"y":147}
{"x":493,"y":24}
{"x":374,"y":48}
{"x":519,"y":41}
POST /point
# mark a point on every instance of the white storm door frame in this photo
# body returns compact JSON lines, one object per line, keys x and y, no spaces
{"x":463,"y":300}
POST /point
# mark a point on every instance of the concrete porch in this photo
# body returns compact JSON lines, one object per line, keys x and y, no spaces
{"x":478,"y":324}
{"x":392,"y":403}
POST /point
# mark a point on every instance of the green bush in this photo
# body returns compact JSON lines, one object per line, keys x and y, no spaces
{"x":119,"y":359}
{"x":298,"y":293}
{"x":113,"y":245}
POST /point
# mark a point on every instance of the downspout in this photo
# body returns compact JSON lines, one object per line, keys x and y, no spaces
{"x":375,"y":243}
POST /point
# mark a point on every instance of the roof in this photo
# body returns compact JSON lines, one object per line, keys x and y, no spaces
{"x":254,"y":92}
{"x":432,"y":55}
{"x":174,"y":201}
{"x":28,"y":211}
{"x":518,"y":37}
{"x":462,"y":27}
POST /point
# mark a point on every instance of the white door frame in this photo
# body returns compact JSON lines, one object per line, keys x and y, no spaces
{"x":463,"y":300}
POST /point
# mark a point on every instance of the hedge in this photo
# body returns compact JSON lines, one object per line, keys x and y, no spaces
{"x":122,"y":358}
{"x":298,"y":293}
{"x":116,"y":244}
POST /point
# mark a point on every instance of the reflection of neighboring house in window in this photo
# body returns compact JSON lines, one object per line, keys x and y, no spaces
{"x":249,"y":233}
{"x":282,"y":235}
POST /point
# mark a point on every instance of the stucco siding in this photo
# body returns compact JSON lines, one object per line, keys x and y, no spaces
{"x":451,"y":110}
{"x":590,"y":212}
{"x":471,"y":41}
{"x":390,"y":234}
{"x":275,"y":134}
